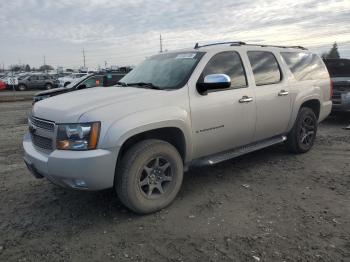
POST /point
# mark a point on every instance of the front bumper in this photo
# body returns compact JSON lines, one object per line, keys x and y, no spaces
{"x":84,"y":170}
{"x":341,"y":101}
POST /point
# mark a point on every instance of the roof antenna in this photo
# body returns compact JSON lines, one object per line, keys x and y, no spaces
{"x":196,"y":46}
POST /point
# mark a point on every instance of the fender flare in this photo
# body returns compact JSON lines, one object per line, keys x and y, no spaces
{"x":171,"y":117}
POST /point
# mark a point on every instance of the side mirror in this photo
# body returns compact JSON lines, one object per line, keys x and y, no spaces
{"x":81,"y":87}
{"x":213,"y":82}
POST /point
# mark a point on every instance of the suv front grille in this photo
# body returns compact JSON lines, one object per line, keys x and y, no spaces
{"x":42,"y":132}
{"x":44,"y":124}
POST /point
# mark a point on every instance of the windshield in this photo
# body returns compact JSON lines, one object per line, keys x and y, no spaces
{"x":338,"y":68}
{"x":164,"y":71}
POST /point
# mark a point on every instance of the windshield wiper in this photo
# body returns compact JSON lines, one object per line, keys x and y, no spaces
{"x":122,"y":84}
{"x":145,"y":85}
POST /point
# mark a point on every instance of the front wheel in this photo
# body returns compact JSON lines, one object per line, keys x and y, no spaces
{"x":149,"y":176}
{"x":48,"y":86}
{"x":302,"y":137}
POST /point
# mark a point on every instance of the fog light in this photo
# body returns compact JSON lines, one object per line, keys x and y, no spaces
{"x":80,"y":183}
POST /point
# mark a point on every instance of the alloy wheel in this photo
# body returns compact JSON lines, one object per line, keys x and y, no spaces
{"x":307,"y":131}
{"x":156,"y":178}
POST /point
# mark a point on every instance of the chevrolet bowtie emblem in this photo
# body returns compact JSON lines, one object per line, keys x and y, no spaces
{"x":32,"y":128}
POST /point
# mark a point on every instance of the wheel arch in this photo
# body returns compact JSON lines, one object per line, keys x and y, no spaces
{"x":173,"y":135}
{"x":312,"y":102}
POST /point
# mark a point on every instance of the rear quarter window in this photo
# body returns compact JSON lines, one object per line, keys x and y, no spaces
{"x":265,"y":68}
{"x":305,"y":66}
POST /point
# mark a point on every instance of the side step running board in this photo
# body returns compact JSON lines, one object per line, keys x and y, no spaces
{"x":220,"y":157}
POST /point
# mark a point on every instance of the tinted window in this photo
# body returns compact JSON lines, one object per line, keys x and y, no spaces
{"x":93,"y":81}
{"x":338,"y":67}
{"x":34,"y":78}
{"x":265,"y":68}
{"x":305,"y":66}
{"x":228,"y":63}
{"x":112,"y":79}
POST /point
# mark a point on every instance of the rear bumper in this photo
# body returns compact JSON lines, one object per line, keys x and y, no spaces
{"x":84,"y":170}
{"x":325,"y":110}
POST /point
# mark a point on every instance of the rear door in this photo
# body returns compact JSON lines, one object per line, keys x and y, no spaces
{"x":33,"y":81}
{"x":40,"y":83}
{"x":273,"y":100}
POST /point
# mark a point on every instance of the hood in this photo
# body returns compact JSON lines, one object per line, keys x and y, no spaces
{"x":54,"y":92}
{"x":69,"y":107}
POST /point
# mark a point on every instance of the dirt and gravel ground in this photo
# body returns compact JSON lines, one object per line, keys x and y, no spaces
{"x":265,"y":206}
{"x":13,"y":96}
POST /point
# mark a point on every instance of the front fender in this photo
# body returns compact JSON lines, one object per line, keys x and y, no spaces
{"x":139,"y":122}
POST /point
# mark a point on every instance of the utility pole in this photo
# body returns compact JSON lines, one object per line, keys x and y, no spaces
{"x":161,"y":43}
{"x":44,"y":63}
{"x":84,"y":56}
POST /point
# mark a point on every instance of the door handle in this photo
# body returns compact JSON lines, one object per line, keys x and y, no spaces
{"x":283,"y":93}
{"x":245,"y":99}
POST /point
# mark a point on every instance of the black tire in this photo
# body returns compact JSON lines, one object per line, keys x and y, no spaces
{"x":48,"y":86}
{"x":66,"y":83}
{"x":302,"y":136}
{"x":21,"y":87}
{"x":137,"y":175}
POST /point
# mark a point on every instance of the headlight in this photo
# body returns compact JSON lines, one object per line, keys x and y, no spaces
{"x":78,"y":136}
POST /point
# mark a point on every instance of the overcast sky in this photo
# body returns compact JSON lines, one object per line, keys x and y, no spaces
{"x":124,"y":32}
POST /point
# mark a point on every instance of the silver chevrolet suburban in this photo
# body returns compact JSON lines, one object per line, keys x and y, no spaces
{"x":192,"y":107}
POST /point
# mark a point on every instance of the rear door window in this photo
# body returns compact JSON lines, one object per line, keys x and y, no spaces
{"x":34,"y":78}
{"x":265,"y":68}
{"x":305,"y":66}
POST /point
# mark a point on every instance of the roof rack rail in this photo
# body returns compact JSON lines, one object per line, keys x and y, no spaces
{"x":238,"y":43}
{"x":197,"y":46}
{"x":280,"y":46}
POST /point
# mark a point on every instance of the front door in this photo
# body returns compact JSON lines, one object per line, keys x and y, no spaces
{"x":222,"y":119}
{"x":273,"y":100}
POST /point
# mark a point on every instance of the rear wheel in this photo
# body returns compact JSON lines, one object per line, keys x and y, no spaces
{"x":302,"y":137}
{"x":48,"y":86}
{"x":21,"y":87}
{"x":149,"y":176}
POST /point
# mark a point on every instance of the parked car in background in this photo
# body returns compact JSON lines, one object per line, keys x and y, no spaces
{"x":35,"y":81}
{"x":2,"y":85}
{"x":193,"y":107}
{"x":339,"y":70}
{"x":66,"y":80}
{"x":88,"y":81}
